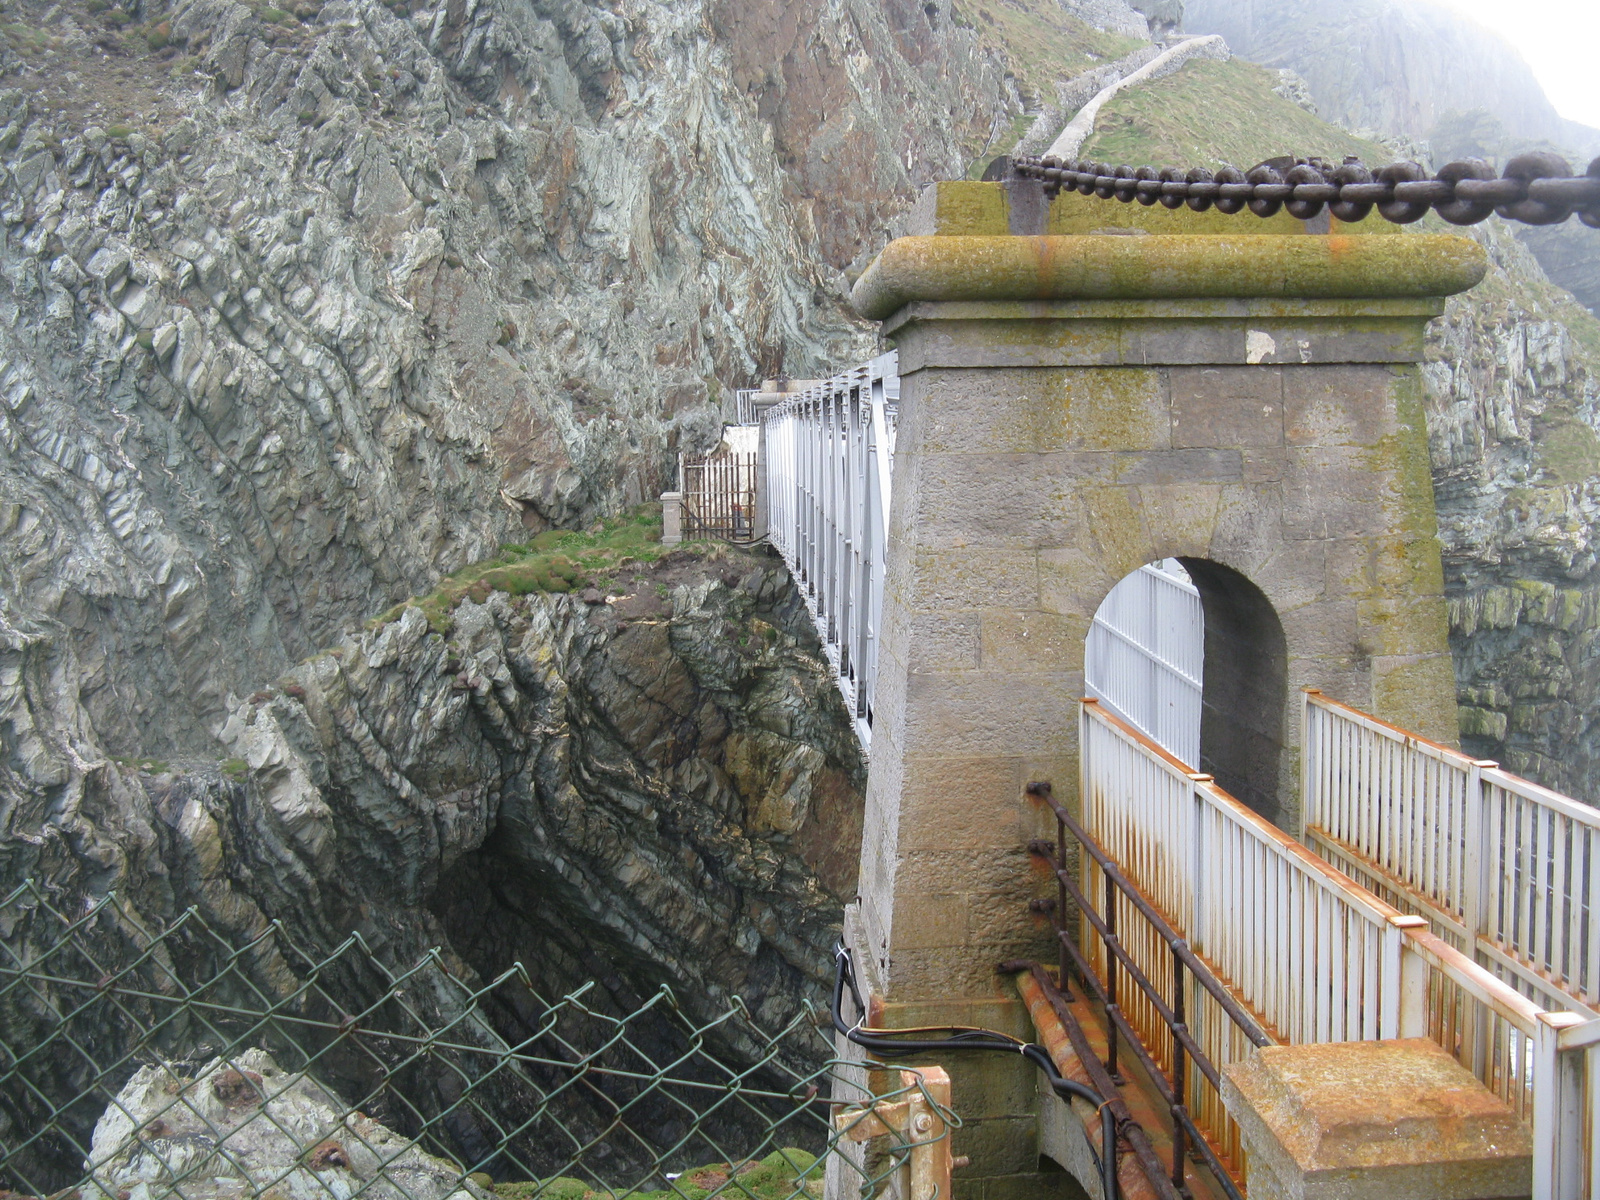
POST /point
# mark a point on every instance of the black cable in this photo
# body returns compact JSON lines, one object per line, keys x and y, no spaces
{"x":889,"y":1043}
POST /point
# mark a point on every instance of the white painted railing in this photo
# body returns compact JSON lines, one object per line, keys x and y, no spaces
{"x":1503,"y":868}
{"x":1145,"y":656}
{"x":828,"y":452}
{"x":1317,"y":957}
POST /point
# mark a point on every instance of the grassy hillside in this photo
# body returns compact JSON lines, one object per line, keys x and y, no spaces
{"x":1212,"y":114}
{"x":1041,"y":42}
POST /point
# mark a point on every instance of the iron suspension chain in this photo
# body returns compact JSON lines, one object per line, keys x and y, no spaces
{"x":1537,"y":188}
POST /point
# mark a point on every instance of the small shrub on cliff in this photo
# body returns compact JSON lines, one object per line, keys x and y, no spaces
{"x":159,"y":36}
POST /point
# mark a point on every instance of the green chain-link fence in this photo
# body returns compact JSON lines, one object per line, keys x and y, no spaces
{"x":138,"y":1063}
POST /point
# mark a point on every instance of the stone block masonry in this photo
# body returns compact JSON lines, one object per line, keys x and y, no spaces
{"x":1074,"y":406}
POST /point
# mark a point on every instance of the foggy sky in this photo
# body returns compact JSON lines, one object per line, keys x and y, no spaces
{"x":1559,"y":39}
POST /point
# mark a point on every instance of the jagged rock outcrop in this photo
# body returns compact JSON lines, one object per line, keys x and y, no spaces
{"x":1514,"y":408}
{"x":660,"y":789}
{"x":303,"y":311}
{"x":245,"y":1127}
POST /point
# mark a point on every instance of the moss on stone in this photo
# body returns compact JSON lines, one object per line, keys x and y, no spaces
{"x":1164,"y":266}
{"x":1567,"y":449}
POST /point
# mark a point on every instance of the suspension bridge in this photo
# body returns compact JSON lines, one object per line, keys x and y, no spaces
{"x":1126,"y":564}
{"x":1173,"y":881}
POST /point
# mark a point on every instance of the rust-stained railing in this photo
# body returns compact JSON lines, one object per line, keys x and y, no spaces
{"x":1306,"y":951}
{"x":719,"y":496}
{"x":1503,"y":868}
{"x":1122,"y":916}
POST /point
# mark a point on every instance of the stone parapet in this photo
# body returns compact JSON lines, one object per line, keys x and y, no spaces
{"x":1395,"y":1120}
{"x":1165,"y":266}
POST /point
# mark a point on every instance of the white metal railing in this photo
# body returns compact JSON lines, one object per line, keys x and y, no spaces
{"x":1145,"y":655}
{"x":744,"y":407}
{"x":1503,"y":868}
{"x":1317,"y":957}
{"x":828,"y":452}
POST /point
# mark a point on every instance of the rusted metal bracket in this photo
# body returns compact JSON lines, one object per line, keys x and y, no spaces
{"x":917,"y":1126}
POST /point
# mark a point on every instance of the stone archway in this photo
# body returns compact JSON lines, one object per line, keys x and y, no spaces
{"x":1244,"y":710}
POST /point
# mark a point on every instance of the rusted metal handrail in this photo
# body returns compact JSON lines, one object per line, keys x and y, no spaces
{"x":1185,"y":1132}
{"x":1237,"y":1013}
{"x":1101,"y":1080}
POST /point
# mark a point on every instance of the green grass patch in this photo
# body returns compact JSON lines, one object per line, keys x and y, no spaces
{"x":1042,"y":43}
{"x":1567,"y":449}
{"x":778,"y":1176}
{"x":1212,"y":114}
{"x":561,"y":560}
{"x":234,"y":768}
{"x":146,"y":766}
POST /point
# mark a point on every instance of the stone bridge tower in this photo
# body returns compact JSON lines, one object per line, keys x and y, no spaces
{"x":1087,"y":387}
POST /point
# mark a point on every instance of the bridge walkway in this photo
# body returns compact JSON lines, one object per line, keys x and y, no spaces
{"x":1070,"y":1022}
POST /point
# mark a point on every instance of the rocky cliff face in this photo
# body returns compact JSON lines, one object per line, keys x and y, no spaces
{"x":662,"y":788}
{"x":304,"y":310}
{"x":1514,"y":387}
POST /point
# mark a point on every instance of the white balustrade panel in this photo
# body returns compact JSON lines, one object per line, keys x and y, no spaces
{"x":1504,"y":868}
{"x":1317,"y":957}
{"x":1145,"y":655}
{"x":828,"y":453}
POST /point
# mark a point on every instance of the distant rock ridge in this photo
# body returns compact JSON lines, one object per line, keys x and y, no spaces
{"x":1397,"y":66}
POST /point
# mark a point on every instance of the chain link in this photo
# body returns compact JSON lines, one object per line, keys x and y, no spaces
{"x":1537,"y":188}
{"x":190,"y":1060}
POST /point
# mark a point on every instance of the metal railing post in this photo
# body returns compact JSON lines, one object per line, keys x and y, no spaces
{"x":1478,"y":857}
{"x":1180,"y":1075}
{"x":1414,"y":974}
{"x":1112,"y":1006}
{"x":1061,"y":909}
{"x":1558,"y":1111}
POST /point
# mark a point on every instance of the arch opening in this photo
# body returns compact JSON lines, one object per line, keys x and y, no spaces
{"x":1192,"y":654}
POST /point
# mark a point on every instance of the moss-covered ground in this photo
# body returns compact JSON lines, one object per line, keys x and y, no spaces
{"x":1213,"y":114}
{"x":560,"y":560}
{"x":779,"y":1176}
